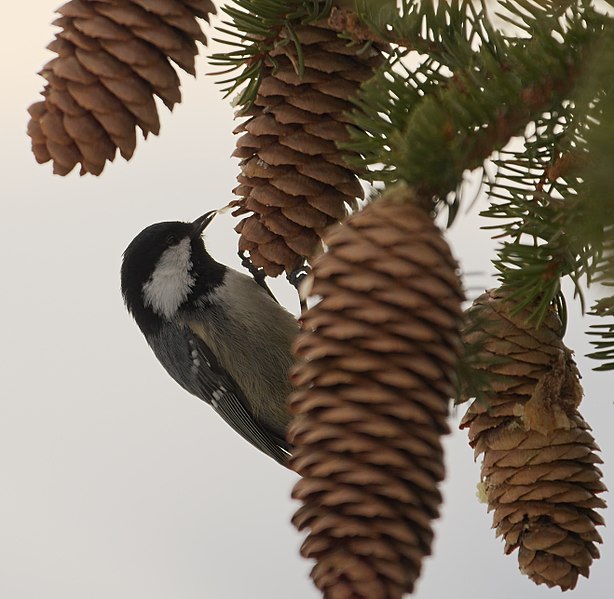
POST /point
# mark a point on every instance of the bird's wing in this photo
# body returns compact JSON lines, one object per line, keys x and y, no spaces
{"x":221,"y":391}
{"x":212,"y":383}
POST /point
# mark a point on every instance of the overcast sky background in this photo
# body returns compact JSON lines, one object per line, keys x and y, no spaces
{"x":115,"y":482}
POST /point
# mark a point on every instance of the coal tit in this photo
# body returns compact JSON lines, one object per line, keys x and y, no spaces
{"x":216,"y":331}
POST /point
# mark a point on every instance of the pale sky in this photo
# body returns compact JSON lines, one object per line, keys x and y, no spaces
{"x":116,"y":483}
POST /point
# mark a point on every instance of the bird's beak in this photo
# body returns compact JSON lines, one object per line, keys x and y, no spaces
{"x":200,"y":224}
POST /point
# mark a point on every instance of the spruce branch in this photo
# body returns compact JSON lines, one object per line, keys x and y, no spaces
{"x":429,"y":124}
{"x":602,"y":335}
{"x":349,"y":23}
{"x":426,"y":27}
{"x":597,"y":91}
{"x":552,"y":193}
{"x":493,"y":93}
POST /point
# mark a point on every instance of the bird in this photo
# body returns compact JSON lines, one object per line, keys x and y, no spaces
{"x":218,"y":332}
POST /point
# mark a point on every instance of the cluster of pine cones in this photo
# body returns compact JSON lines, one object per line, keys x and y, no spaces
{"x":378,"y":356}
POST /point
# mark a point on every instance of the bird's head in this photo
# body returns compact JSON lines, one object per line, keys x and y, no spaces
{"x":165,"y":267}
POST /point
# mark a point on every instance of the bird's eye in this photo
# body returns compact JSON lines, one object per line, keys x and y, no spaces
{"x":172,"y":240}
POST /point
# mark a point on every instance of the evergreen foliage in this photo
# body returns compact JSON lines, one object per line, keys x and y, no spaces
{"x":255,"y":28}
{"x":474,"y":89}
{"x":457,"y":91}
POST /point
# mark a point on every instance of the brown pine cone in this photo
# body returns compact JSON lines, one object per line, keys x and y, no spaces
{"x":539,"y":473}
{"x":294,"y":181}
{"x":378,"y":358}
{"x":113,"y":57}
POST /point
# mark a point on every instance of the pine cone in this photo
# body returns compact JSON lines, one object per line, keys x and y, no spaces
{"x":378,"y":359}
{"x":539,"y":472}
{"x":113,"y":56}
{"x":293,"y":179}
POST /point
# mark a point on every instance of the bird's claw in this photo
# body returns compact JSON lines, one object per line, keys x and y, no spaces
{"x":258,"y":274}
{"x":297,"y":276}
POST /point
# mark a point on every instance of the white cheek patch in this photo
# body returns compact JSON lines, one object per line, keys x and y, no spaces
{"x":171,"y":281}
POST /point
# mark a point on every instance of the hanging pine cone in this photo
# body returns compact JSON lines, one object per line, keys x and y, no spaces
{"x":539,"y":473}
{"x":294,"y":181}
{"x":378,"y":357}
{"x":113,"y":56}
